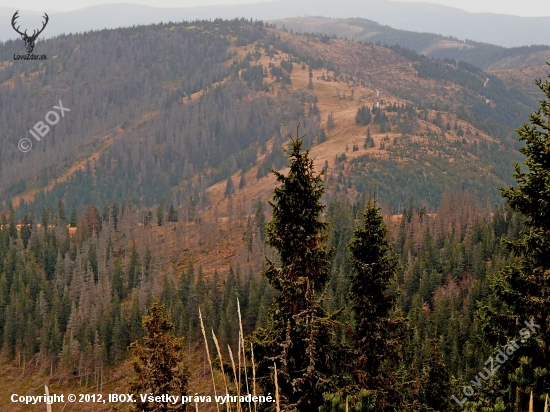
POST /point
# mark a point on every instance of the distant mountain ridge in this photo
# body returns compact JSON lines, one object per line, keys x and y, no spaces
{"x":484,"y":55}
{"x":498,"y":29}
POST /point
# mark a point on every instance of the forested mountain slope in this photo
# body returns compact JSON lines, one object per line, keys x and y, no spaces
{"x":115,"y":78}
{"x":170,"y":110}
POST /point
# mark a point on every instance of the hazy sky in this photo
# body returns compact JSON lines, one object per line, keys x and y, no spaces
{"x":517,"y":7}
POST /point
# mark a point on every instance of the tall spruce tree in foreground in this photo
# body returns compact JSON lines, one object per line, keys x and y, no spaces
{"x":378,"y":331}
{"x":298,"y":336}
{"x":522,"y":287}
{"x":159,"y":365}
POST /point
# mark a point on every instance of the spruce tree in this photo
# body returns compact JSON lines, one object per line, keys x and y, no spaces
{"x":330,"y":121}
{"x":148,"y":265}
{"x":61,"y":214}
{"x":117,"y":290}
{"x":322,"y":136}
{"x":435,"y":382}
{"x":26,"y":228}
{"x":115,"y":214}
{"x":93,"y":261}
{"x":172,"y":214}
{"x":229,"y":187}
{"x":242,"y":182}
{"x":134,"y":268}
{"x":522,"y":287}
{"x":378,"y":331}
{"x":159,"y":366}
{"x":363,"y":116}
{"x":259,"y":220}
{"x":74,"y":216}
{"x":12,"y":223}
{"x":161,"y":212}
{"x":248,"y":237}
{"x":298,"y":335}
{"x":106,"y":215}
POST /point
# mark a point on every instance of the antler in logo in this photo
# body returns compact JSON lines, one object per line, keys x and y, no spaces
{"x":29,"y":40}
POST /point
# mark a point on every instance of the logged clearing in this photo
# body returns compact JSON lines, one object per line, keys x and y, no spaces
{"x":342,"y":99}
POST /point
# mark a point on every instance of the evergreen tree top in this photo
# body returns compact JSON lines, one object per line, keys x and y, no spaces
{"x":532,"y":195}
{"x":296,"y":205}
{"x":157,"y":323}
{"x":296,"y":229}
{"x":159,"y":365}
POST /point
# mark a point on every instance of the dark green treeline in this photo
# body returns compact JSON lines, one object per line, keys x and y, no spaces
{"x":77,"y":301}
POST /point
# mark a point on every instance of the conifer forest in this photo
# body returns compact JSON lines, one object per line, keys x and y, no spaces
{"x":253,"y":219}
